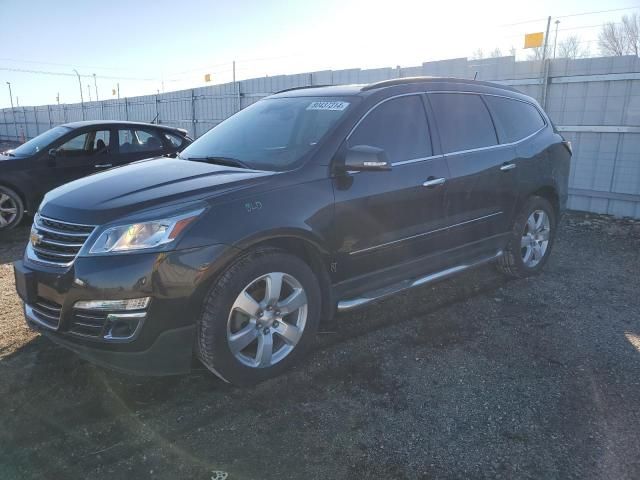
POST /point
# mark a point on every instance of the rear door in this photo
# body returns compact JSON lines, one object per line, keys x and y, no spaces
{"x":135,"y":143}
{"x":383,"y":219}
{"x":480,"y":193}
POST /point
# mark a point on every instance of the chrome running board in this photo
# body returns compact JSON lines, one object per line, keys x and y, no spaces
{"x":375,"y":295}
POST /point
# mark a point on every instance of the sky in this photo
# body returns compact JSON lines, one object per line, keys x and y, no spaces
{"x":150,"y":46}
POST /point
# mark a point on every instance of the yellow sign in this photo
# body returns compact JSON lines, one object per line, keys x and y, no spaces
{"x":207,"y":77}
{"x":533,"y":40}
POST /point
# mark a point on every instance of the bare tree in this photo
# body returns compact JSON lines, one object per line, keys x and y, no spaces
{"x":536,"y":53}
{"x":570,"y":48}
{"x":477,"y":54}
{"x":631,"y":27}
{"x":621,"y":38}
{"x":495,"y":53}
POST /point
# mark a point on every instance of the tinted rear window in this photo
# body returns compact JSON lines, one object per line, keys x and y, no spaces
{"x":463,"y":121}
{"x":399,"y":127}
{"x":514,"y":119}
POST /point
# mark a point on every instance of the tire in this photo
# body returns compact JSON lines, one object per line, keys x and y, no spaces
{"x":11,"y":208}
{"x":526,"y":253}
{"x":223,"y":323}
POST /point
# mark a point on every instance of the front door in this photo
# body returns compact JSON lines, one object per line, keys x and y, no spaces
{"x":84,"y":153}
{"x":384,"y":219}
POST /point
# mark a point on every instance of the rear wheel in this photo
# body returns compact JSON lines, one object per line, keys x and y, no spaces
{"x":259,"y":318}
{"x":531,"y":239}
{"x":11,"y":208}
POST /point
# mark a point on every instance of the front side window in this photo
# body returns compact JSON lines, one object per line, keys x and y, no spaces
{"x":88,"y":143}
{"x":176,"y":140}
{"x":131,"y":140}
{"x":463,"y":120}
{"x":399,"y":127}
{"x":514,"y":119}
{"x":272,"y":134}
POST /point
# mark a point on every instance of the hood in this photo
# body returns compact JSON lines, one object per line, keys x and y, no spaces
{"x":110,"y":195}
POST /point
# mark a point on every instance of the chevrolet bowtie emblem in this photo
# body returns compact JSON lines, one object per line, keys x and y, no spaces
{"x":35,"y":238}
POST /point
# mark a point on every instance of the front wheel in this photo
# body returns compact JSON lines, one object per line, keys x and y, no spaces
{"x":531,"y":239}
{"x":11,"y":208}
{"x":259,"y":318}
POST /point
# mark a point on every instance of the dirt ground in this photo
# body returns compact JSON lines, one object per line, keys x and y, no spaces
{"x":475,"y":377}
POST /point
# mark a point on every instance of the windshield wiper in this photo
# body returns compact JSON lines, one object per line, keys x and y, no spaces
{"x":9,"y":154}
{"x":227,"y":161}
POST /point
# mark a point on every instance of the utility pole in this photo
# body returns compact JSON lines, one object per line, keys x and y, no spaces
{"x":58,"y":98}
{"x":118,"y":90}
{"x":13,"y":112}
{"x":545,"y":65}
{"x":95,"y":85}
{"x":89,"y":91}
{"x":81,"y":96}
{"x":555,"y":41}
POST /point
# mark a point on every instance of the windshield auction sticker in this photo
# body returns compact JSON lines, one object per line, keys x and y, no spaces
{"x":328,"y":106}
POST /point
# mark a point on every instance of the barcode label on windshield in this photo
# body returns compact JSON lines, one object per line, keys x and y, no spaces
{"x":328,"y":106}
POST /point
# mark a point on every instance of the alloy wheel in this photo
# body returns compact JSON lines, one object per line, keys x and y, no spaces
{"x":8,"y":210}
{"x":267,"y":320}
{"x":535,"y":238}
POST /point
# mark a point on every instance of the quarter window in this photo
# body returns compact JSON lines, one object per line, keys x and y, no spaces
{"x":399,"y":127}
{"x":463,"y":120}
{"x":514,"y":119}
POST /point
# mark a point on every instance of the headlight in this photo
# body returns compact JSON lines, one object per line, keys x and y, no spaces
{"x":138,"y":236}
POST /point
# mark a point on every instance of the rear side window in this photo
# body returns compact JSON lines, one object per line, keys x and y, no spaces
{"x":399,"y":127}
{"x":134,"y":140}
{"x":463,"y":120}
{"x":514,"y":119}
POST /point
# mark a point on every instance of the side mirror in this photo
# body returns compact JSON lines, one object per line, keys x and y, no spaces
{"x":53,"y":152}
{"x":364,"y":158}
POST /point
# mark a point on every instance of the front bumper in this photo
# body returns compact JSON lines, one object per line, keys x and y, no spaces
{"x":163,"y":340}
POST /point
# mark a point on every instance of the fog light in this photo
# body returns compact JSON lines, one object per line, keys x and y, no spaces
{"x":123,"y":326}
{"x":130,"y":304}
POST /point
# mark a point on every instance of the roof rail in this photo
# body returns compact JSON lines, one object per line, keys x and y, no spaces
{"x":301,"y":88}
{"x":409,"y":80}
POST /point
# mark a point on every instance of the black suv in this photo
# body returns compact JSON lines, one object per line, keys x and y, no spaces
{"x":74,"y":150}
{"x":309,"y":201}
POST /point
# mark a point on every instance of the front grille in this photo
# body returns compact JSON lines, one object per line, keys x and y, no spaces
{"x":57,"y":242}
{"x":88,"y":323}
{"x":47,"y":312}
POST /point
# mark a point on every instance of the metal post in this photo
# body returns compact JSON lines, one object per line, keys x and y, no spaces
{"x":126,"y":108}
{"x":49,"y":113}
{"x":555,"y":40}
{"x":35,"y":113}
{"x":13,"y":114}
{"x":24,"y":120}
{"x":235,"y":89}
{"x":157,"y":109}
{"x":89,"y":91}
{"x":118,"y":84}
{"x":545,"y":65}
{"x":95,"y":85}
{"x":81,"y":96}
{"x":193,"y":112}
{"x":64,"y":113}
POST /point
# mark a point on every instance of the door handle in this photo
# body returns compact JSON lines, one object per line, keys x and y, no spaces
{"x":507,"y":166}
{"x":434,"y":182}
{"x":104,"y":165}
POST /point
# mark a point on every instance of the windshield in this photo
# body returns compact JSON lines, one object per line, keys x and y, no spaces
{"x":41,"y":142}
{"x":272,"y":134}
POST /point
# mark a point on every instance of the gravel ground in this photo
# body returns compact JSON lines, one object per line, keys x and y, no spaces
{"x":475,"y":377}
